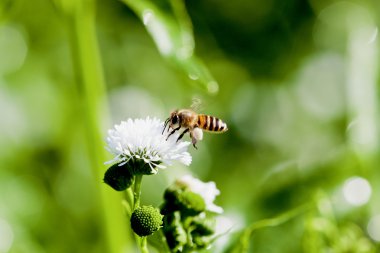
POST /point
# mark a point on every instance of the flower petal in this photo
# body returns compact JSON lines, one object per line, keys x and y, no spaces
{"x":143,"y":139}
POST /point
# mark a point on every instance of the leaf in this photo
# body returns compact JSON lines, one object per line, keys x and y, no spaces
{"x":173,"y":35}
{"x":242,"y":244}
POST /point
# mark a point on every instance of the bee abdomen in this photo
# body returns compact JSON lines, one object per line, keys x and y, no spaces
{"x":210,"y":123}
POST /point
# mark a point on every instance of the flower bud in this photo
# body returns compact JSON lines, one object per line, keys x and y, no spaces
{"x":191,"y":203}
{"x":187,"y":202}
{"x":201,"y":242}
{"x":175,"y":234}
{"x":146,"y":220}
{"x":171,"y":203}
{"x":118,"y":177}
{"x":203,"y":226}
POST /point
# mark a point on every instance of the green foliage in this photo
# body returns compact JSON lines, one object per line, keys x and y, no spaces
{"x":187,"y":225}
{"x":297,"y":85}
{"x":243,"y":242}
{"x":171,"y":30}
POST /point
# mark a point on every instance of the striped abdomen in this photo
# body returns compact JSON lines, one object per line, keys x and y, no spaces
{"x":210,"y":123}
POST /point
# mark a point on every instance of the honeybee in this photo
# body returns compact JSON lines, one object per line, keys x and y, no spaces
{"x":194,"y":124}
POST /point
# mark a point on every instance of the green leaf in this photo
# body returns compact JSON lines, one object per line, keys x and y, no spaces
{"x":172,"y":33}
{"x":242,"y":244}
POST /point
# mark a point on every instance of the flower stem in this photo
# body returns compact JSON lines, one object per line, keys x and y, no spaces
{"x":141,"y":241}
{"x":165,"y":246}
{"x":129,"y":197}
{"x":144,"y":245}
{"x":272,"y":222}
{"x":137,"y":192}
{"x":92,"y":108}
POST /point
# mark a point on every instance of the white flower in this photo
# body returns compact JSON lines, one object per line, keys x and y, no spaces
{"x":207,"y":191}
{"x":142,"y":139}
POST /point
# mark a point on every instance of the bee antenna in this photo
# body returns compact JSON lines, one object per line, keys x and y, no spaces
{"x":166,"y":123}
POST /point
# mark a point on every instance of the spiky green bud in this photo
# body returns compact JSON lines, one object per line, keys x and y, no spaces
{"x":146,"y":220}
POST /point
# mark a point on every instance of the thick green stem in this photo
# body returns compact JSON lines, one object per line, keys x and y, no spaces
{"x":129,"y":197}
{"x":92,"y":107}
{"x":141,"y":241}
{"x":137,"y":191}
{"x":144,"y":245}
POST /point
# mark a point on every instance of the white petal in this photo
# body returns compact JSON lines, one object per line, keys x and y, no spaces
{"x":160,"y":166}
{"x":143,"y":139}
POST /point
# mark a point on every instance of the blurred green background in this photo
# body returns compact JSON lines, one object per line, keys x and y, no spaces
{"x":296,"y":82}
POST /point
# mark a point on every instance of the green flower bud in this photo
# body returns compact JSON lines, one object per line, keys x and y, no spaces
{"x":118,"y":177}
{"x":187,"y":202}
{"x":146,"y":220}
{"x":171,"y":203}
{"x":191,"y":203}
{"x":175,"y":234}
{"x":203,"y":226}
{"x":171,"y":194}
{"x":201,"y":242}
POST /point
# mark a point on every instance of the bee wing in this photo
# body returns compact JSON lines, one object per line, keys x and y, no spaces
{"x":196,"y":104}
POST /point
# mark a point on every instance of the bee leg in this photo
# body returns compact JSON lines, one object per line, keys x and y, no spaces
{"x":165,"y":124}
{"x":172,"y":132}
{"x":180,"y":137}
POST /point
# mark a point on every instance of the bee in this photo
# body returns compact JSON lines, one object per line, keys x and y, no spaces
{"x":194,"y":124}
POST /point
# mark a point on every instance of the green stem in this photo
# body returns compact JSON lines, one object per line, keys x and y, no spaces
{"x":129,"y":198}
{"x":273,"y":222}
{"x":127,"y":208}
{"x":137,"y":191}
{"x":144,"y":245}
{"x":92,"y":105}
{"x":165,"y":245}
{"x":141,"y":241}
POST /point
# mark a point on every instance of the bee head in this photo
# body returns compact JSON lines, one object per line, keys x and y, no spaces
{"x":173,"y":120}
